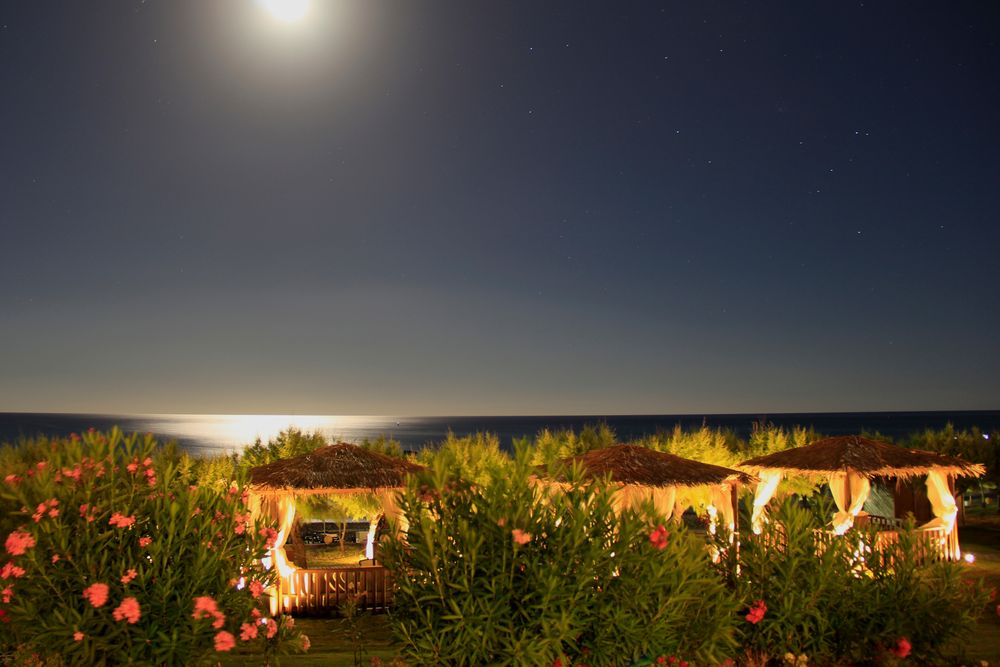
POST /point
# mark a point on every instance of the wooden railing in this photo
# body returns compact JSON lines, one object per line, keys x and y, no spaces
{"x":929,"y":544}
{"x":321,"y":591}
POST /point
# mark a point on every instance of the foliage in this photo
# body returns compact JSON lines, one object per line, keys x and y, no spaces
{"x":216,"y":470}
{"x":353,"y":628}
{"x":111,"y":551}
{"x":290,"y":442}
{"x":340,"y":507}
{"x":837,"y":600}
{"x":474,"y":457}
{"x":500,"y":572}
{"x":384,"y":445}
{"x":972,"y":445}
{"x":551,"y":445}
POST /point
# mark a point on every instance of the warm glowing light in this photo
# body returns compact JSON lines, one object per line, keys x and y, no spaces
{"x":969,"y":558}
{"x":288,"y":11}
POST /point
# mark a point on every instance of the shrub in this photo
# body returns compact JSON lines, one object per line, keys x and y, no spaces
{"x":503,"y":573}
{"x":476,"y":457}
{"x":112,"y":556}
{"x":288,"y":443}
{"x":837,"y":600}
{"x":550,"y":445}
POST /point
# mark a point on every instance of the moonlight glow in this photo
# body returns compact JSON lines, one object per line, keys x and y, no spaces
{"x":288,"y":11}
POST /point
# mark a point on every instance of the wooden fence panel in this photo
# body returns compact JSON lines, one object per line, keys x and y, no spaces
{"x":321,"y":591}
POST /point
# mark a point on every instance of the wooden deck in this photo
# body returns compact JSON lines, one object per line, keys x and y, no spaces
{"x":323,"y":591}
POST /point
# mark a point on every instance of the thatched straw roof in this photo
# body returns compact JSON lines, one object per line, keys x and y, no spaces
{"x":869,"y":458}
{"x":634,"y":465}
{"x":340,"y":468}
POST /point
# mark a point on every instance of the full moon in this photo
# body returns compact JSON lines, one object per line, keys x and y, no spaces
{"x":288,"y":11}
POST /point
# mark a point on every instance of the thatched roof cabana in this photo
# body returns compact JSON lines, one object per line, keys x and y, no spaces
{"x":868,"y":458}
{"x":334,"y":469}
{"x":632,"y":464}
{"x":849,"y":463}
{"x":645,"y":473}
{"x":339,"y":468}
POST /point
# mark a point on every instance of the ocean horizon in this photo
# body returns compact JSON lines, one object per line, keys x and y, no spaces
{"x":213,"y":434}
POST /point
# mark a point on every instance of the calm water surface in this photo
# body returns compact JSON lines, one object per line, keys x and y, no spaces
{"x":208,"y":434}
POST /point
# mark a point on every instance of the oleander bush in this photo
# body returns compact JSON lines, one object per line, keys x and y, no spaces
{"x":836,"y":600}
{"x":113,"y":556}
{"x":503,"y":572}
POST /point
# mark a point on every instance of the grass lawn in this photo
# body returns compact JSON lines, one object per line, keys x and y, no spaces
{"x":331,"y":643}
{"x":981,"y":536}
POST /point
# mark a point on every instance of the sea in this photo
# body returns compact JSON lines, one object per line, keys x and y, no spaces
{"x":202,"y":434}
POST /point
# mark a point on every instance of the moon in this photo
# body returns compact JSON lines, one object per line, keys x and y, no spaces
{"x":287,"y":11}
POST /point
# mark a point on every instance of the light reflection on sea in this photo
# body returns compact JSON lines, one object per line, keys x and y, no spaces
{"x":226,"y":433}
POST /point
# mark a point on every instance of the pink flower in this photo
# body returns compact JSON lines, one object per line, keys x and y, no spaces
{"x":520,"y":536}
{"x":46,"y":507}
{"x":128,"y":610}
{"x":10,"y":570}
{"x":55,"y":558}
{"x":270,"y":535}
{"x":78,"y":636}
{"x":902,"y":648}
{"x":121,"y":521}
{"x":205,"y":607}
{"x":129,"y":576}
{"x":756,"y":613}
{"x":132,"y":467}
{"x":12,"y":479}
{"x":96,"y":594}
{"x":248,"y":631}
{"x":147,"y":462}
{"x":305,"y":642}
{"x":256,"y":589}
{"x":7,"y":594}
{"x":502,"y":521}
{"x":241,"y":522}
{"x":19,"y":542}
{"x":658,"y":538}
{"x":272,"y":628}
{"x":204,"y":604}
{"x":145,"y":541}
{"x":224,"y":641}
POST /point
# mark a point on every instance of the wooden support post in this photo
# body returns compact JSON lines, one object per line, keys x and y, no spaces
{"x":847,"y":491}
{"x":735,"y":500}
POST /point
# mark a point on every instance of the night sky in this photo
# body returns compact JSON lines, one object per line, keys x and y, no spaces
{"x":499,"y":207}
